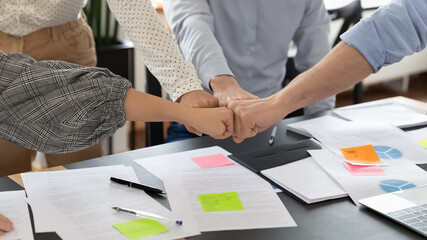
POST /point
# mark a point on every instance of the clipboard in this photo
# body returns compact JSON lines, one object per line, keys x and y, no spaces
{"x":259,"y":160}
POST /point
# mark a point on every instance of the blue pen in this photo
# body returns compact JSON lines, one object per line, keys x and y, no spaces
{"x":147,"y":215}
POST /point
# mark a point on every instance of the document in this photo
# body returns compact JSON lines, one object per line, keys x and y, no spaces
{"x":86,"y":212}
{"x":191,"y":187}
{"x":389,"y":112}
{"x":226,"y":200}
{"x":390,"y":143}
{"x":14,"y":207}
{"x":306,"y":180}
{"x":183,"y":161}
{"x":305,"y":127}
{"x":398,"y":177}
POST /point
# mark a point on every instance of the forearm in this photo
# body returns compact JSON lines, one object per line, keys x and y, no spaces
{"x":343,"y":67}
{"x":141,"y":106}
{"x":157,"y":47}
{"x":193,"y":26}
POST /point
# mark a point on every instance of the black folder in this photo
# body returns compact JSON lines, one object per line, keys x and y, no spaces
{"x":259,"y":160}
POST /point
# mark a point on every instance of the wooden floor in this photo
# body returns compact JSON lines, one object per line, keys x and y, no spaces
{"x":417,"y":90}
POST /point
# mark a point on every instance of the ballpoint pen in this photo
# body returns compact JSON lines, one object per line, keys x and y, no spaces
{"x":272,"y":136}
{"x":136,"y":185}
{"x":147,"y":215}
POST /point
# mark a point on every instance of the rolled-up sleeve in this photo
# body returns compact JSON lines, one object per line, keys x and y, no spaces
{"x":58,"y":107}
{"x":394,"y":31}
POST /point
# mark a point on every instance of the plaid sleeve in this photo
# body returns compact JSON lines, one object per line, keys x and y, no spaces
{"x":58,"y":107}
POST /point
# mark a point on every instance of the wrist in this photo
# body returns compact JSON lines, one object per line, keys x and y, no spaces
{"x":221,"y":82}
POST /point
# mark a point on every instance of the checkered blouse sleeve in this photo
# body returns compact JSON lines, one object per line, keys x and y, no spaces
{"x":58,"y":107}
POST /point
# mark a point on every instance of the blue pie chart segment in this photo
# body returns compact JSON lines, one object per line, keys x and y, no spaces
{"x":393,"y":185}
{"x":385,"y":152}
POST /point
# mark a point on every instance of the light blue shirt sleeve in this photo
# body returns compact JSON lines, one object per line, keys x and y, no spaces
{"x":193,"y":27}
{"x":391,"y":33}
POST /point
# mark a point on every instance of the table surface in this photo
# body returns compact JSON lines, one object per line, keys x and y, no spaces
{"x":332,"y":219}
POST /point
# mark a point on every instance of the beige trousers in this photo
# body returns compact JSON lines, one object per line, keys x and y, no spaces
{"x":72,"y":42}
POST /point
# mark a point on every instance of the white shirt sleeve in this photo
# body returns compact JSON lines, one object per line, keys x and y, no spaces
{"x":159,"y":50}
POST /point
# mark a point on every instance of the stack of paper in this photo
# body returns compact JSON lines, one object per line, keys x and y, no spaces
{"x":305,"y":127}
{"x":306,"y":180}
{"x":77,"y":204}
{"x":387,"y":112}
{"x":219,"y":193}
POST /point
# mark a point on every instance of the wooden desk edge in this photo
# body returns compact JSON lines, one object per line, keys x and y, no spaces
{"x":17,"y":177}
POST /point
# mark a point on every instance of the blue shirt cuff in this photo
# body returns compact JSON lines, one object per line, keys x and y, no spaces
{"x":364,"y":37}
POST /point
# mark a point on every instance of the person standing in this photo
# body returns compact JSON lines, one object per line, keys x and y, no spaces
{"x":240,"y":47}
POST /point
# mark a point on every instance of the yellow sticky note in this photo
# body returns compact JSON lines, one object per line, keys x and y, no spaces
{"x":361,"y":155}
{"x":423,"y":143}
{"x":215,"y":202}
{"x":140,"y":228}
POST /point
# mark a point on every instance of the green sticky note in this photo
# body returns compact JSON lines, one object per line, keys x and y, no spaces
{"x":423,"y":143}
{"x":215,"y":202}
{"x":140,"y":228}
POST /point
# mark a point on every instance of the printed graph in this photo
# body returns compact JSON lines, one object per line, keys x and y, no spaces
{"x":385,"y":152}
{"x":393,"y":185}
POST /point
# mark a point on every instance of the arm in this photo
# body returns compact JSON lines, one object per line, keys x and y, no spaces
{"x":379,"y":40}
{"x":341,"y":68}
{"x":5,"y":225}
{"x":312,"y":41}
{"x":192,"y":25}
{"x":57,"y":107}
{"x":156,"y":46}
{"x":216,"y":122}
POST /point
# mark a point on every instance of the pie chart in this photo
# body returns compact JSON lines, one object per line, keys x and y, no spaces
{"x":385,"y":152}
{"x":393,"y":185}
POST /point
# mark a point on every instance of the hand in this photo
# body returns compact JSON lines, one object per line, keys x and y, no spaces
{"x":216,"y":122}
{"x":198,"y":99}
{"x":253,"y":116}
{"x":226,"y":88}
{"x":5,"y":225}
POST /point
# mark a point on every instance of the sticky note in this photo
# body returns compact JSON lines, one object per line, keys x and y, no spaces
{"x":215,"y":202}
{"x":356,"y":170}
{"x":361,"y":155}
{"x":423,"y":143}
{"x":140,"y":228}
{"x":211,"y":161}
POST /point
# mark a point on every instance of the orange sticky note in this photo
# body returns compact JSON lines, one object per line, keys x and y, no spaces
{"x":361,"y":155}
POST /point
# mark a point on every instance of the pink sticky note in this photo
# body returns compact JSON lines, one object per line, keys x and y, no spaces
{"x":356,"y":170}
{"x":217,"y":160}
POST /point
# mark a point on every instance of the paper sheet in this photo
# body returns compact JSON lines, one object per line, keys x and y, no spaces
{"x":181,"y":162}
{"x":14,"y":207}
{"x":262,"y":207}
{"x":391,"y":144}
{"x":419,"y":136}
{"x":306,"y":180}
{"x":85,"y":213}
{"x":359,"y":187}
{"x":305,"y":127}
{"x":185,"y":181}
{"x":389,"y":112}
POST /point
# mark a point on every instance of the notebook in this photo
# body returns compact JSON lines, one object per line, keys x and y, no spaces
{"x":408,"y":207}
{"x":290,"y":168}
